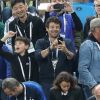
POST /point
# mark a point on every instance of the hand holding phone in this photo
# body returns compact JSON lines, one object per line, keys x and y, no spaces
{"x":59,"y":40}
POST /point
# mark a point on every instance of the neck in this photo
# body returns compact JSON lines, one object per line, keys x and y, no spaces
{"x":23,"y":19}
{"x":52,"y":39}
{"x":22,"y":54}
{"x":21,"y":88}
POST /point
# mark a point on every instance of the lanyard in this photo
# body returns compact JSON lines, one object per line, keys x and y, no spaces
{"x":56,"y":51}
{"x":24,"y":93}
{"x":23,"y":69}
{"x":20,"y":33}
{"x":65,"y":22}
{"x":56,"y":54}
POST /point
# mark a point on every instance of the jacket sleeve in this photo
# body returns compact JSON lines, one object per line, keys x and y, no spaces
{"x":38,"y":89}
{"x":85,"y":56}
{"x":77,"y":22}
{"x":6,"y":54}
{"x":39,"y":47}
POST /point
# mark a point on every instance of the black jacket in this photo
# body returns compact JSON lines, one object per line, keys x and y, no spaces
{"x":15,"y":65}
{"x":38,"y":29}
{"x":75,"y":94}
{"x":45,"y":64}
{"x":87,"y":26}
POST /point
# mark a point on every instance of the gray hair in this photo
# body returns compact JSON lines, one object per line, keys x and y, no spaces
{"x":94,"y":23}
{"x":10,"y":83}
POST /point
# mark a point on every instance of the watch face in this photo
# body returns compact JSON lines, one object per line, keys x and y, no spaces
{"x":79,"y":8}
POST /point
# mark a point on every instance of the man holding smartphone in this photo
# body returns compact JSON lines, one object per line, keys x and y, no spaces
{"x":54,"y":54}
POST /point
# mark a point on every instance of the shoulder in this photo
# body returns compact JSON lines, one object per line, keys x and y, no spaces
{"x":54,"y":90}
{"x":87,"y":43}
{"x":68,"y":41}
{"x":42,"y":41}
{"x":77,"y":90}
{"x":34,"y":18}
{"x":89,"y":18}
{"x":31,"y":84}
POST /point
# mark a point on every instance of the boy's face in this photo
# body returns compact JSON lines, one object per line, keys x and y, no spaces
{"x":20,"y":47}
{"x":53,"y":30}
{"x":20,"y":9}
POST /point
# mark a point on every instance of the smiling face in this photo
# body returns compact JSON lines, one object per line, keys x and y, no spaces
{"x":53,"y":30}
{"x":20,"y":9}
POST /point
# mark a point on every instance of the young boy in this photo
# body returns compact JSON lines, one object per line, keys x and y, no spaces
{"x":24,"y":66}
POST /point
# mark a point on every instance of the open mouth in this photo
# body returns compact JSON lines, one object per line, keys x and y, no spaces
{"x":16,"y":49}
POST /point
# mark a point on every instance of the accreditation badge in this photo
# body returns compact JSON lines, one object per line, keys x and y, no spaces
{"x":31,"y":48}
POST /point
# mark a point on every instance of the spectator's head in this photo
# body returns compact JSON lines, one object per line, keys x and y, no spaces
{"x":97,"y":6}
{"x":53,"y":26}
{"x":64,"y":81}
{"x":21,"y":45}
{"x":97,"y":92}
{"x":20,"y":7}
{"x":11,"y":87}
{"x":95,"y":28}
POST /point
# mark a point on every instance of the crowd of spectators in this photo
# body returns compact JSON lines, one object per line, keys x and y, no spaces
{"x":52,"y":59}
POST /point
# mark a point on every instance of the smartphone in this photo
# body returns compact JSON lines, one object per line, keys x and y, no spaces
{"x":58,"y":6}
{"x":60,"y":39}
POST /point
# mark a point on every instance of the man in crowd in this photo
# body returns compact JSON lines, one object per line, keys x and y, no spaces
{"x":53,"y":53}
{"x":25,"y":24}
{"x":89,"y":60}
{"x":22,"y":91}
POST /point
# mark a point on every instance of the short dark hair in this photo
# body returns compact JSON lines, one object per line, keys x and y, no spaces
{"x":64,"y":76}
{"x":10,"y":83}
{"x":23,"y":39}
{"x":14,"y":2}
{"x":54,"y":20}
